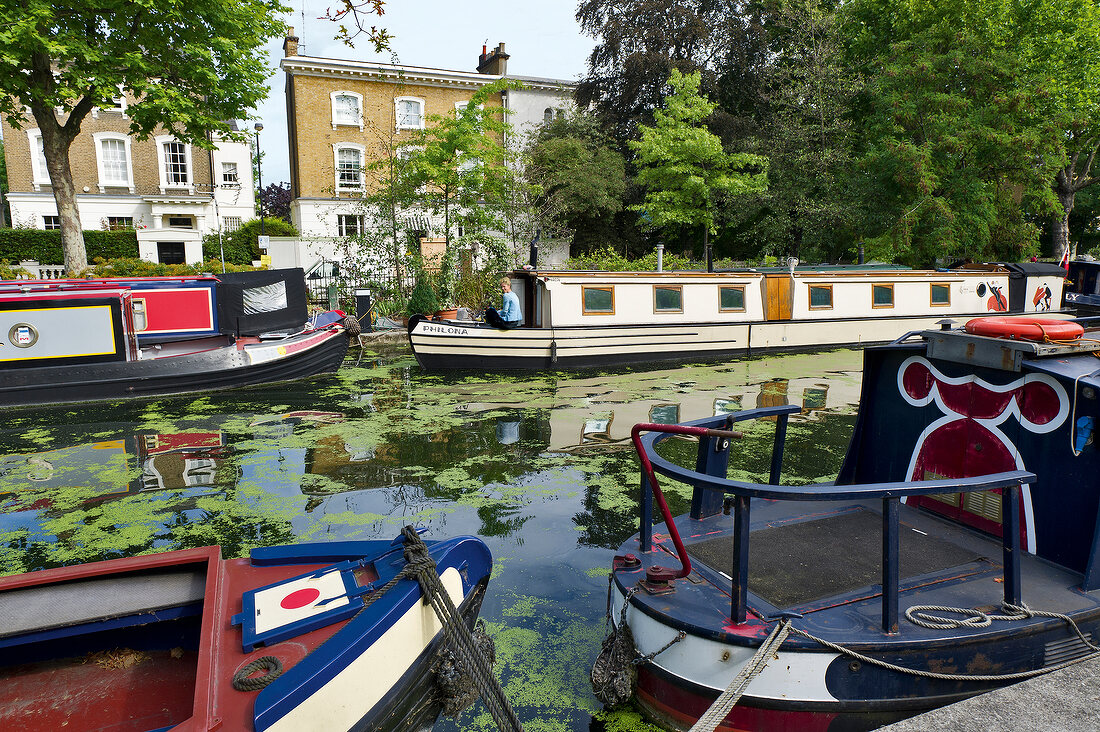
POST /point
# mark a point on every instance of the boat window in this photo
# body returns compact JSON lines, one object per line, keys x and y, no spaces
{"x":731,"y":298}
{"x":882,"y":296}
{"x":598,"y":300}
{"x":668,"y":299}
{"x":265,"y":299}
{"x":821,"y":297}
{"x":940,"y":293}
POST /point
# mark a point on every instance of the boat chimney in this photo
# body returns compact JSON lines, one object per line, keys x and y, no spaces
{"x":660,"y":257}
{"x":535,"y":249}
{"x":859,"y":248}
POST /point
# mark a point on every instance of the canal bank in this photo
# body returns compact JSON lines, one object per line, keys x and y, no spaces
{"x":1067,"y":700}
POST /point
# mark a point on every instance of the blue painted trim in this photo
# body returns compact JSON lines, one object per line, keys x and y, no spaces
{"x":320,"y":552}
{"x":127,"y":621}
{"x":322,"y":665}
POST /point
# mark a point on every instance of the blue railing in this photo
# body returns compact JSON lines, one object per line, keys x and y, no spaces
{"x":710,"y":488}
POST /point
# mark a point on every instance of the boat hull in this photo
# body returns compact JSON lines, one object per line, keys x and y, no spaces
{"x":475,"y":346}
{"x":152,"y":643}
{"x":225,"y":367}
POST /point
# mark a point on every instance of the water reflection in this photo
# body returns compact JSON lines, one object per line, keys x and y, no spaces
{"x":540,"y":465}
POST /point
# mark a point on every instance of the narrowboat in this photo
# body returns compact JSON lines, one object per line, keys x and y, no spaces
{"x":1082,"y":291}
{"x":957,"y":551}
{"x":322,"y":636}
{"x":588,"y":319}
{"x":94,"y":339}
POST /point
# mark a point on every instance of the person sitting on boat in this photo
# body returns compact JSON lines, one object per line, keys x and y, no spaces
{"x":509,"y":315}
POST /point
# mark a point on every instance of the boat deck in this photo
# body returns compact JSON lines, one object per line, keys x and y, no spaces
{"x":823,"y":561}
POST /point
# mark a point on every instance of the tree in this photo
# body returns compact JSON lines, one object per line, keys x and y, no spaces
{"x":684,"y":167}
{"x":574,"y":164}
{"x":275,"y":200}
{"x":455,"y":168}
{"x":642,"y":41}
{"x":955,"y":151}
{"x":807,"y":136}
{"x":189,"y":68}
{"x":1052,"y":45}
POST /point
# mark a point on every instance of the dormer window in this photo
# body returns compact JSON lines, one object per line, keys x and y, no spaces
{"x":347,"y":109}
{"x":410,"y":113}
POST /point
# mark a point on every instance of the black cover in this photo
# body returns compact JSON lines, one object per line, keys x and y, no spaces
{"x":236,"y":319}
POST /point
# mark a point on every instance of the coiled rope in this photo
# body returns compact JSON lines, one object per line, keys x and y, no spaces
{"x":972,"y":618}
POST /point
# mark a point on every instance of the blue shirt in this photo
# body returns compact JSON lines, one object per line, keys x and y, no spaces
{"x":509,"y":308}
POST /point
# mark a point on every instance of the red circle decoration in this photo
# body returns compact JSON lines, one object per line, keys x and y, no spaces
{"x":1025,"y":329}
{"x":300,"y":598}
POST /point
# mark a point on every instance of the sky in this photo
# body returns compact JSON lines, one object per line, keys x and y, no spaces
{"x":542,"y":39}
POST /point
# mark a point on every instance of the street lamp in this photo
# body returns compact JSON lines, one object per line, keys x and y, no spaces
{"x":259,"y":176}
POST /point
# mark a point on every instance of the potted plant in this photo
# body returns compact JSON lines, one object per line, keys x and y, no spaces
{"x":423,"y":299}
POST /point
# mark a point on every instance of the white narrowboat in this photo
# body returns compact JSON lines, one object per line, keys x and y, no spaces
{"x":575,"y":319}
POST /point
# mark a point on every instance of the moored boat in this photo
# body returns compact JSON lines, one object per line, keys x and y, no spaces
{"x":586,"y":319}
{"x":1082,"y":292}
{"x":957,"y":551}
{"x":81,"y":340}
{"x":326,"y":636}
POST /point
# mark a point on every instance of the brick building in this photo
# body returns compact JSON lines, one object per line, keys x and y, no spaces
{"x":172,"y":193}
{"x":343,"y":114}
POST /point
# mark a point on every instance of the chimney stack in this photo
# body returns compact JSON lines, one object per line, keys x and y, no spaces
{"x":290,"y":44}
{"x":495,"y":63}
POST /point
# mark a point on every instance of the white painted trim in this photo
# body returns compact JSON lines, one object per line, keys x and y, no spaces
{"x":397,"y":113}
{"x":359,"y":102}
{"x":336,"y":148}
{"x":40,"y":176}
{"x":97,"y":139}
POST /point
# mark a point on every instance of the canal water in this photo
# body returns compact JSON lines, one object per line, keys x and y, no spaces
{"x":539,"y":465}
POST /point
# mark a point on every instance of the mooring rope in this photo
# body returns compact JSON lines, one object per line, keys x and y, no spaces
{"x":710,"y":719}
{"x":973,"y":618}
{"x":421,"y":565}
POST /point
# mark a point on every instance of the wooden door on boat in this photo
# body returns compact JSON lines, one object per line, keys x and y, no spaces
{"x":777,"y":296}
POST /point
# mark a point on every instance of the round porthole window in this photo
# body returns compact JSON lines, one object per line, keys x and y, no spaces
{"x":23,"y":335}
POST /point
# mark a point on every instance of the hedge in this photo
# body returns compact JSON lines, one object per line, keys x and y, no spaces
{"x":45,"y":246}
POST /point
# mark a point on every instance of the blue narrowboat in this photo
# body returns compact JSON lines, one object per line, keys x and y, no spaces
{"x":957,"y":551}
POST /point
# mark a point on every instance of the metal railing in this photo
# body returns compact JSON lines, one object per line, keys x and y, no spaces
{"x":710,"y":488}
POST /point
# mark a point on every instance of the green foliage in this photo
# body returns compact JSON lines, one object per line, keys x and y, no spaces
{"x":587,"y":181}
{"x":133,"y":267}
{"x":241,"y":245}
{"x":683,"y":165}
{"x":610,"y":260}
{"x":455,"y":166}
{"x":955,"y":152}
{"x":45,"y":246}
{"x":423,"y":299}
{"x":191,"y":68}
{"x":10,"y":271}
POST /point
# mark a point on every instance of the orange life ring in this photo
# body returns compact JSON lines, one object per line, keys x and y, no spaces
{"x":1025,"y":329}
